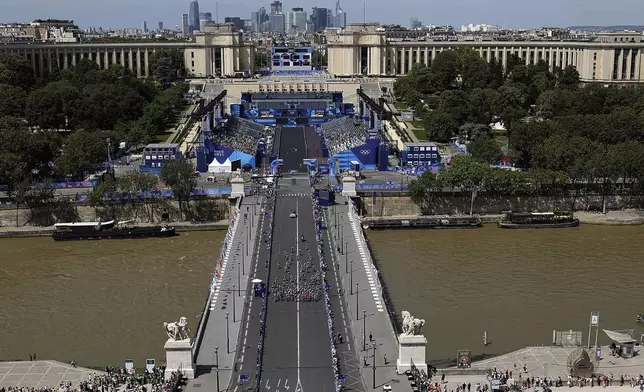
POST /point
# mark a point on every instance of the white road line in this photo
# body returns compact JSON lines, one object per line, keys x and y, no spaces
{"x":297,"y":241}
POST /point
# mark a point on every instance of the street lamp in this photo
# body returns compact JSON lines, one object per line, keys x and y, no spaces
{"x":364,"y":327}
{"x":227,"y":335}
{"x":217,"y":365}
{"x":357,"y":299}
{"x":233,"y":303}
{"x":374,"y":365}
{"x":238,"y":279}
{"x":351,"y":275}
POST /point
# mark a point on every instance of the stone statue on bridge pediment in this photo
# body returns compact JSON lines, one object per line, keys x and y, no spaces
{"x":411,"y":326}
{"x":178,"y":330}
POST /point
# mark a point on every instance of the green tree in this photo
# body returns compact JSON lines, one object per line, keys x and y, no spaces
{"x":568,"y":78}
{"x":167,"y":66}
{"x":12,"y":101}
{"x":440,"y":126}
{"x":83,"y":151}
{"x":54,"y":106}
{"x":137,"y":187}
{"x":424,"y":191}
{"x":179,"y":175}
{"x":16,"y":71}
{"x":444,"y":70}
{"x":106,"y":195}
{"x":464,"y":174}
{"x":472,"y":131}
{"x":485,"y":150}
{"x":22,"y":152}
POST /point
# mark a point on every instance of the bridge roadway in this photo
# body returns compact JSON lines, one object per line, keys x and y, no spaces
{"x":297,"y":351}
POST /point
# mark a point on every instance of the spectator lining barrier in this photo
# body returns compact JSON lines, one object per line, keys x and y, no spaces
{"x":343,"y":134}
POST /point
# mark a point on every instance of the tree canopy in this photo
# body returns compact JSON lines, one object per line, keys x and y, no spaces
{"x":88,"y":105}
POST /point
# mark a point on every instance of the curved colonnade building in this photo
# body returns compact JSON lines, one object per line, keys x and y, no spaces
{"x":361,"y":49}
{"x":612,"y":58}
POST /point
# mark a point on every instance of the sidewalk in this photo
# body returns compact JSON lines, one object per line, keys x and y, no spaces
{"x":227,"y":305}
{"x":360,"y":276}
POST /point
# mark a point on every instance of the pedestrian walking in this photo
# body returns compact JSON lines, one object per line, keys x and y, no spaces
{"x":370,"y":337}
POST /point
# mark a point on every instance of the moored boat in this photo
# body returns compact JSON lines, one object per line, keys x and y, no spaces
{"x":537,"y":220}
{"x":107,"y":230}
{"x":640,"y":318}
{"x":425,"y":222}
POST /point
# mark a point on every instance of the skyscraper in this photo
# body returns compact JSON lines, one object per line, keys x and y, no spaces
{"x":340,"y":18}
{"x":254,"y":21}
{"x":276,"y":7}
{"x":185,"y":24}
{"x":144,"y":26}
{"x":278,"y":22}
{"x":193,"y":18}
{"x":160,"y":26}
{"x":319,"y":19}
{"x":204,"y":19}
{"x":296,"y":20}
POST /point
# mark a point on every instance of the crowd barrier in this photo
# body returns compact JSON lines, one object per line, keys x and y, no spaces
{"x":270,"y":209}
{"x":362,"y":242}
{"x":327,"y":302}
{"x":62,"y":185}
{"x":226,"y":248}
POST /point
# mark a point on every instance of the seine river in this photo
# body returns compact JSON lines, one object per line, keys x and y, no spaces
{"x":518,"y":285}
{"x":100,"y":303}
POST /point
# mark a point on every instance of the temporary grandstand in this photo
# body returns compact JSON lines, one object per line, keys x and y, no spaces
{"x":343,"y":134}
{"x":239,"y":134}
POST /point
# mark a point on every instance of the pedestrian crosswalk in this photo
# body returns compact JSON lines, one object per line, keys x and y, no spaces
{"x":294,"y":194}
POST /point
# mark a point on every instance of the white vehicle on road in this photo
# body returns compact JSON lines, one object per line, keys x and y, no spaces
{"x":292,"y":215}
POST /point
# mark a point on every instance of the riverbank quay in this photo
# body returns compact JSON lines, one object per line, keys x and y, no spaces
{"x":366,"y":310}
{"x":222,"y":340}
{"x":611,"y":218}
{"x":31,"y":231}
{"x":42,"y":374}
{"x":547,"y":362}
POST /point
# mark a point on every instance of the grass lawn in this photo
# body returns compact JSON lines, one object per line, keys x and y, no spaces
{"x":416,"y":124}
{"x":420,"y":134}
{"x":401,"y":105}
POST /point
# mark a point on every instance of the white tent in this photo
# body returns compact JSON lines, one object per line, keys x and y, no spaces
{"x":216,"y":167}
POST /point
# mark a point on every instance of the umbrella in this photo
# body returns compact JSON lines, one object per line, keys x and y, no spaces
{"x":257,"y":280}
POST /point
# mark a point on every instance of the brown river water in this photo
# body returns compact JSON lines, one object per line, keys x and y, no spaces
{"x":102,"y":302}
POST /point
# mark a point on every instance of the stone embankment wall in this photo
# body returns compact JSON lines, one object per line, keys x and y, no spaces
{"x":206,"y":210}
{"x":401,"y":205}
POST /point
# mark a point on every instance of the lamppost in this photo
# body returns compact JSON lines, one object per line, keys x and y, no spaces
{"x":351,"y":277}
{"x":364,"y":327}
{"x":374,"y":365}
{"x":227,"y":335}
{"x":357,"y":299}
{"x":233,"y":303}
{"x":217,"y":365}
{"x":238,"y":280}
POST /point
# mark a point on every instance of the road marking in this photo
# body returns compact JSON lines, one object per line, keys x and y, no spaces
{"x":279,"y":381}
{"x":268,"y":386}
{"x":298,"y":387}
{"x":286,"y":386}
{"x":297,"y":241}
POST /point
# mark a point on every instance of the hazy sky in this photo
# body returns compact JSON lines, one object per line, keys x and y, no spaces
{"x":509,"y":13}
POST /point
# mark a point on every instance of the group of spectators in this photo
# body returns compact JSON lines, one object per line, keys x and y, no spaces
{"x":115,"y":380}
{"x":239,"y":134}
{"x":343,"y":134}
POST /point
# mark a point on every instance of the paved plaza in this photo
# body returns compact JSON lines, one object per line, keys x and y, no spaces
{"x":39,"y":374}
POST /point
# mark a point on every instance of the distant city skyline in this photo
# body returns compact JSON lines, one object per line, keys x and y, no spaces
{"x":507,"y":13}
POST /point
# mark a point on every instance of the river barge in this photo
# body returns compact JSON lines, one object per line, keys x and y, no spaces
{"x":424,"y":222}
{"x":538,"y":220}
{"x":109,"y":230}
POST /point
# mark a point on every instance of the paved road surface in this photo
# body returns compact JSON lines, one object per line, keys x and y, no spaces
{"x":297,"y":347}
{"x":292,"y":148}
